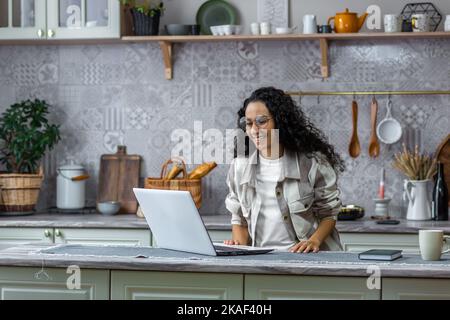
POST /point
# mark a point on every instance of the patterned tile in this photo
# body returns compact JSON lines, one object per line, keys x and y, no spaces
{"x":106,"y":95}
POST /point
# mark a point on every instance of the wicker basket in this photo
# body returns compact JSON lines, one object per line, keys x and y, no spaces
{"x":20,"y":192}
{"x":194,"y":186}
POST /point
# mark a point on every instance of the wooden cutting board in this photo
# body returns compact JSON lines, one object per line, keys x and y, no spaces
{"x":119,"y":174}
{"x":443,"y":155}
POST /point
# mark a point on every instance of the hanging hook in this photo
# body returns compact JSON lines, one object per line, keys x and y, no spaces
{"x":42,"y":274}
{"x":354,"y":95}
{"x":318,"y":99}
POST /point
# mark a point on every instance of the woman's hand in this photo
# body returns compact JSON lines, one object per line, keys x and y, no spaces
{"x":232,"y":242}
{"x":306,"y":246}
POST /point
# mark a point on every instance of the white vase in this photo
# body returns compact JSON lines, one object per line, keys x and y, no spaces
{"x":419,"y":207}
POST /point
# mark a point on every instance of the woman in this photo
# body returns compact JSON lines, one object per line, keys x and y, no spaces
{"x":284,"y":195}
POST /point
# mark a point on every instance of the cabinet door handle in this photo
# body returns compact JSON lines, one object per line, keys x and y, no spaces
{"x":47,"y":233}
{"x":51,"y":33}
{"x":41,"y":33}
{"x":58,"y":233}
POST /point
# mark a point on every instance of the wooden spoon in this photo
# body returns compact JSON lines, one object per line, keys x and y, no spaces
{"x":374,"y":145}
{"x":354,"y":149}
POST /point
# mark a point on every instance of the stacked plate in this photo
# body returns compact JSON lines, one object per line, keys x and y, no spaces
{"x":216,"y":13}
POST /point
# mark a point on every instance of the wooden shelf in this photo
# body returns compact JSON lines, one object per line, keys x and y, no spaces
{"x":291,"y":37}
{"x":166,"y":42}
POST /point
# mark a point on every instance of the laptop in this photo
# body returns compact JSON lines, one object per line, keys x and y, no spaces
{"x":177,"y":225}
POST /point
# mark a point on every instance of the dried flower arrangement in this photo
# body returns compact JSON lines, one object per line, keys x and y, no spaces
{"x":415,"y":166}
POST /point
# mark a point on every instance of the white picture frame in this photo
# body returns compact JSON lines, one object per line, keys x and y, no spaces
{"x":274,"y":11}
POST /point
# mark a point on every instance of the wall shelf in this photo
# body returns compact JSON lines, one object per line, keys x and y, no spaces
{"x":166,"y":42}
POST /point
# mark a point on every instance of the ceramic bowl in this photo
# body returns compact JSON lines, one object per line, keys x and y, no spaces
{"x":283,"y":30}
{"x":108,"y":208}
{"x":215,"y":30}
{"x":178,"y":29}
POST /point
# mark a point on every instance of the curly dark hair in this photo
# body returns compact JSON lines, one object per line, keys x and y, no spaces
{"x":296,"y":132}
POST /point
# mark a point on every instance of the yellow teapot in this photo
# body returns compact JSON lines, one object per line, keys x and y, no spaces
{"x":348,"y":22}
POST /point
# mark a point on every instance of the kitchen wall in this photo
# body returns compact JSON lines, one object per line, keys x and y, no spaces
{"x":184,"y":11}
{"x":105,"y":95}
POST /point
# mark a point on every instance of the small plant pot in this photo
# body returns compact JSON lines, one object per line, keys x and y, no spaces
{"x":145,"y":25}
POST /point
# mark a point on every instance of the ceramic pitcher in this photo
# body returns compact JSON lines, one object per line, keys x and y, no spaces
{"x":419,"y":207}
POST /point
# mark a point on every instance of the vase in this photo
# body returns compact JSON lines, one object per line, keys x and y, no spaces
{"x":145,"y":25}
{"x":419,"y":206}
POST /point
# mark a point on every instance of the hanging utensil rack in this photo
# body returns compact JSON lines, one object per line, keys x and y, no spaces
{"x":366,"y":93}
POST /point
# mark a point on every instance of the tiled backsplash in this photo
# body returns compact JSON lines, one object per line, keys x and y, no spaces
{"x":116,"y":94}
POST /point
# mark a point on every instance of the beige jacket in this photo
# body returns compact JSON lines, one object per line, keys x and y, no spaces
{"x":307,"y":194}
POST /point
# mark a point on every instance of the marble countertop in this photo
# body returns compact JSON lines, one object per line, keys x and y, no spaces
{"x":212,"y":222}
{"x":322,"y":263}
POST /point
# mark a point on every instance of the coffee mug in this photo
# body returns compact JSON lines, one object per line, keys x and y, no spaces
{"x":309,"y":24}
{"x":265,"y":28}
{"x":420,"y":22}
{"x":407,"y":26}
{"x":195,"y":29}
{"x":255,"y":28}
{"x":326,"y":28}
{"x":392,"y":23}
{"x":431,"y":243}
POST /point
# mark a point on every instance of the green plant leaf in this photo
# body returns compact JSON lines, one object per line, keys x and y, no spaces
{"x":25,"y":135}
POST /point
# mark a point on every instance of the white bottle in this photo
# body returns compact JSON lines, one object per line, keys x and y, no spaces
{"x":447,"y":24}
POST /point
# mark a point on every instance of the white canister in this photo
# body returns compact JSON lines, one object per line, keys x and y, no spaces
{"x":420,"y":22}
{"x":392,"y":23}
{"x":447,"y":24}
{"x":70,"y":187}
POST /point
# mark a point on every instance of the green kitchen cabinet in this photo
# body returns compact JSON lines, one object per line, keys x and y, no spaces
{"x":59,"y":19}
{"x":13,"y":236}
{"x":415,"y":289}
{"x":27,"y":283}
{"x":286,"y":287}
{"x":359,"y":242}
{"x":148,"y":285}
{"x":140,"y":237}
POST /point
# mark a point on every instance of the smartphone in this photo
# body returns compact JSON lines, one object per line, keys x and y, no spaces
{"x":388,"y":222}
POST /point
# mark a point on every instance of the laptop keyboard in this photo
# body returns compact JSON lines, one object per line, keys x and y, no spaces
{"x":227,"y":249}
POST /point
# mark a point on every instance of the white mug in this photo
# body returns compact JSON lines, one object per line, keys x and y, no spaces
{"x":309,"y":24}
{"x":255,"y":29}
{"x":420,"y":22}
{"x":431,"y":243}
{"x":392,"y":23}
{"x":265,"y":28}
{"x":447,"y":24}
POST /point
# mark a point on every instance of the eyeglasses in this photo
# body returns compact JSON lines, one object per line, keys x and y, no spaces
{"x":260,"y":121}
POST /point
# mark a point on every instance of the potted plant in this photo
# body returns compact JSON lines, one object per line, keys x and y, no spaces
{"x":25,"y":136}
{"x":145,"y":16}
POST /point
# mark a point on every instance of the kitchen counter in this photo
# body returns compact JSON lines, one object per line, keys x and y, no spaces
{"x":323,"y":263}
{"x":212,"y":222}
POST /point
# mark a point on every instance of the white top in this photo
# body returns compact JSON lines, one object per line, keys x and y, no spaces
{"x":271,"y":230}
